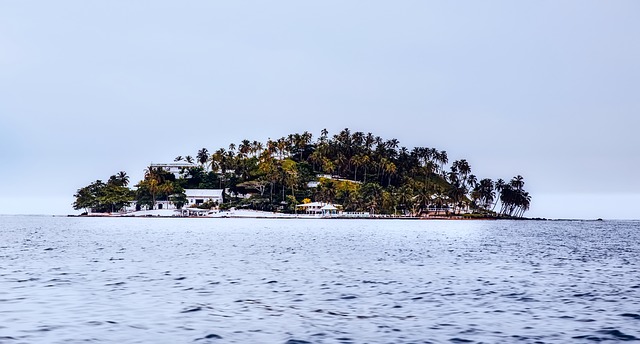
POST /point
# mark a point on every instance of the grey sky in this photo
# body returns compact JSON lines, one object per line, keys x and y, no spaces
{"x":549,"y":90}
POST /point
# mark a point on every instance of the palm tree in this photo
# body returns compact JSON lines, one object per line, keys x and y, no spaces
{"x":214,"y":162}
{"x":150,"y":172}
{"x":316,"y":158}
{"x":359,"y":161}
{"x":517,"y":182}
{"x":244,"y":148}
{"x":123,"y":178}
{"x":152,"y":185}
{"x":486,"y":191}
{"x":391,"y":146}
{"x":203,"y":156}
{"x":283,"y":147}
{"x":390,"y":169}
{"x":323,"y":135}
{"x":463,"y":168}
{"x":326,"y":191}
{"x":358,"y":140}
{"x":166,"y":189}
{"x":443,"y":160}
{"x":290,"y":175}
{"x":372,"y":195}
{"x":328,"y":166}
{"x":428,"y":169}
{"x":269,"y":170}
{"x":498,"y":186}
{"x":456,"y":193}
{"x":525,"y":203}
{"x":405,"y":197}
{"x":423,"y":198}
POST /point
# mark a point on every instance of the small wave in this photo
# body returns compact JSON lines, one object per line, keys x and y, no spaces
{"x":631,"y":315}
{"x":209,"y":337}
{"x":612,"y":333}
{"x":191,"y":310}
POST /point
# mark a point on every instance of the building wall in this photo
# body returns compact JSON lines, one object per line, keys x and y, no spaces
{"x":194,"y":199}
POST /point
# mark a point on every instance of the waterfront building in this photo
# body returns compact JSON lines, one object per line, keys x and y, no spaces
{"x":195,"y":197}
{"x":199,"y":196}
{"x":319,"y":208}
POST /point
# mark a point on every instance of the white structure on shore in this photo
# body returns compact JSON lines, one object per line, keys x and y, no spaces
{"x":199,"y":196}
{"x":195,"y":197}
{"x":319,"y":208}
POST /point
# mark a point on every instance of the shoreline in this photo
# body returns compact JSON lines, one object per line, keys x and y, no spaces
{"x":251,"y":214}
{"x":345,"y":218}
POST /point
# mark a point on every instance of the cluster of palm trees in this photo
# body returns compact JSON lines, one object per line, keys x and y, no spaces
{"x":376,"y":175}
{"x":515,"y":201}
{"x":104,"y":197}
{"x":358,"y":170}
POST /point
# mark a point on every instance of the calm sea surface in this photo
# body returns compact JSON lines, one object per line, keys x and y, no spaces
{"x":77,"y":280}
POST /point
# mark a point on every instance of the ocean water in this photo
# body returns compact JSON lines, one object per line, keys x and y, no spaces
{"x":127,"y":280}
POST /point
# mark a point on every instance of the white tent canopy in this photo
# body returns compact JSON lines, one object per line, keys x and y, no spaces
{"x":319,"y":208}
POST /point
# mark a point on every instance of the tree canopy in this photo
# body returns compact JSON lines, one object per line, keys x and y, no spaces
{"x":361,"y":171}
{"x":106,"y":197}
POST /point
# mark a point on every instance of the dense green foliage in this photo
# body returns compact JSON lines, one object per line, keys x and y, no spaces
{"x":360,"y":171}
{"x":105,"y":197}
{"x":363,"y":173}
{"x":159,"y":185}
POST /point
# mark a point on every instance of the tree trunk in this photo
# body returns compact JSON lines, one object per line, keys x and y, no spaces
{"x":271,"y":196}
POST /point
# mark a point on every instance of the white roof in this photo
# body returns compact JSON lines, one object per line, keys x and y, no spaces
{"x":173,"y":164}
{"x":312,"y":204}
{"x":321,"y":205}
{"x":204,"y":193}
{"x":329,"y":207}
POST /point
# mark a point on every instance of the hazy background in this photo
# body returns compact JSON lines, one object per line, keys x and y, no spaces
{"x":549,"y":90}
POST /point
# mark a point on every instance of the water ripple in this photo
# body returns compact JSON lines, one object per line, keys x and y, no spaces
{"x":236,"y":281}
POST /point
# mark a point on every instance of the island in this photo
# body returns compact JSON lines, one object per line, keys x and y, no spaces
{"x":349,"y":174}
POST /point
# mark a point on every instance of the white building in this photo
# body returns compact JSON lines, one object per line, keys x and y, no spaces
{"x":319,"y":208}
{"x":199,"y":196}
{"x":174,"y":167}
{"x":194,"y":197}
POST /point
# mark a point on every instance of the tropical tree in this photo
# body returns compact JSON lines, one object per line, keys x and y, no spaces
{"x":372,"y":196}
{"x":104,"y":197}
{"x":87,"y":197}
{"x":268,"y":168}
{"x":290,"y":175}
{"x":146,"y":192}
{"x":326,"y":191}
{"x":485,"y":192}
{"x":515,"y":201}
{"x":498,"y":186}
{"x":202,"y":156}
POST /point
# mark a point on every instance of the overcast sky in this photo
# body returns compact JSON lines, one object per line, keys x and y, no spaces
{"x":546,"y":89}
